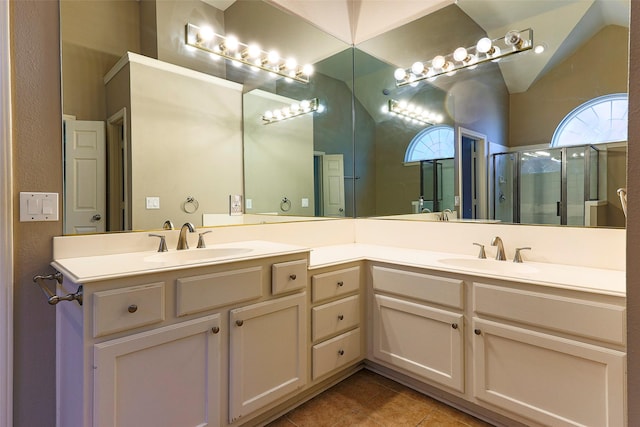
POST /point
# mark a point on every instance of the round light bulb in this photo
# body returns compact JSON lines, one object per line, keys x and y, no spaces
{"x":278,"y":114}
{"x":417,"y":67}
{"x":268,"y":115}
{"x":438,"y":62}
{"x":484,"y":45}
{"x":539,"y":49}
{"x":286,"y":111}
{"x":295,"y":108}
{"x":513,"y":38}
{"x":305,"y":104}
{"x":402,"y":105}
{"x":291,"y":64}
{"x":307,"y":69}
{"x":253,"y":51}
{"x":273,"y":57}
{"x":231,"y":43}
{"x":205,"y":34}
{"x":400,"y":74}
{"x":460,"y":54}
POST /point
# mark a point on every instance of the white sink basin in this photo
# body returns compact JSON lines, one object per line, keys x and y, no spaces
{"x":188,"y":256}
{"x":489,"y":265}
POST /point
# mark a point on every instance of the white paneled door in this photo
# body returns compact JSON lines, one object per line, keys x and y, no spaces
{"x":84,"y":177}
{"x":333,"y":184}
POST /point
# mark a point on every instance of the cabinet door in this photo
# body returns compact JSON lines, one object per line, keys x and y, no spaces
{"x":268,"y":354}
{"x":423,"y":340}
{"x":165,"y":377}
{"x":552,"y":380}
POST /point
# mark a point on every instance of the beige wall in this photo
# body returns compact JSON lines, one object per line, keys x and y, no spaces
{"x":597,"y":68}
{"x":278,"y":157}
{"x":37,"y":154}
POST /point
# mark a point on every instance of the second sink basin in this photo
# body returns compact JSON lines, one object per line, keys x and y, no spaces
{"x":194,"y":255}
{"x":489,"y":265}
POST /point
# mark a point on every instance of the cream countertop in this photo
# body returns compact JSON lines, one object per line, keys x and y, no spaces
{"x":595,"y":280}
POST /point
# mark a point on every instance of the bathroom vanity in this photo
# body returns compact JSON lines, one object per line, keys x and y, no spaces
{"x":240,"y":333}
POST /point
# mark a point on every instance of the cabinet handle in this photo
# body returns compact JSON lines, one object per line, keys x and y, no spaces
{"x":132,"y":308}
{"x":340,"y":316}
{"x":215,"y":330}
{"x":292,"y":276}
{"x":239,"y":322}
{"x":477,"y":331}
{"x":340,"y":283}
{"x":341,"y":352}
{"x":454,"y":325}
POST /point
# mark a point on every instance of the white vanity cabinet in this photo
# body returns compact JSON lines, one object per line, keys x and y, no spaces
{"x":268,"y":353}
{"x":336,"y":319}
{"x":418,"y":324}
{"x":201,"y":346}
{"x":551,"y":356}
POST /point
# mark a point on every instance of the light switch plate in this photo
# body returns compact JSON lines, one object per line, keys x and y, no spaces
{"x":153,"y":202}
{"x":38,"y":206}
{"x":235,"y":204}
{"x":305,"y":202}
{"x":248,"y":203}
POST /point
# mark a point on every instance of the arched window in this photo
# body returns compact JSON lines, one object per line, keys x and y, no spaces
{"x":435,"y":142}
{"x":602,"y":119}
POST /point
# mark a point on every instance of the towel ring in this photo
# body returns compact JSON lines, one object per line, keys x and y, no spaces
{"x":285,"y":205}
{"x":190,"y":205}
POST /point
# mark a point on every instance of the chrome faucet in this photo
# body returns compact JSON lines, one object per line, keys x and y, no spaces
{"x":182,"y":238}
{"x":167,"y":225}
{"x":497,"y":241}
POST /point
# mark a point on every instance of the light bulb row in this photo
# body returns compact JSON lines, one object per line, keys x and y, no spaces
{"x":414,"y":112}
{"x":229,"y":47}
{"x":485,"y":50}
{"x":294,"y":110}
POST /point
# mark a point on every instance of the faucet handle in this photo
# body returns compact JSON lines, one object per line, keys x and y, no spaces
{"x":482,"y":254}
{"x":518,"y":258}
{"x":201,"y":243}
{"x":163,"y":243}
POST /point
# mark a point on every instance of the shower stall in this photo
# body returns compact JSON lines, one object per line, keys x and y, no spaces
{"x":547,"y":186}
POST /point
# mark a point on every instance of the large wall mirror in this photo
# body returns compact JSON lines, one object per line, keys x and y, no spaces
{"x":183,"y":131}
{"x":538,"y":137}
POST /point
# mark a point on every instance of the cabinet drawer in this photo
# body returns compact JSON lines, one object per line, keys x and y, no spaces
{"x":424,"y":287}
{"x":590,"y":319}
{"x":335,"y":283}
{"x":288,"y":276}
{"x":121,"y":309}
{"x":200,"y":293}
{"x":334,"y":317}
{"x":336,"y":352}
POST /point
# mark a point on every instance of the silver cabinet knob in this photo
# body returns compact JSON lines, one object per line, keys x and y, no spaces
{"x":132,"y":308}
{"x":454,"y":325}
{"x":340,"y":317}
{"x":477,"y":331}
{"x":215,"y":330}
{"x":239,"y":322}
{"x":341,"y":283}
{"x":292,"y":276}
{"x":341,"y":352}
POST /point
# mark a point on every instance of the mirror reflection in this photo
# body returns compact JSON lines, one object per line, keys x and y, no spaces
{"x":184,"y":135}
{"x":539,"y":137}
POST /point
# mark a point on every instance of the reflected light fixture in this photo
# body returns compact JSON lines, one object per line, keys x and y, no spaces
{"x":462,"y":58}
{"x":294,"y":110}
{"x":413,"y":112}
{"x":229,"y":47}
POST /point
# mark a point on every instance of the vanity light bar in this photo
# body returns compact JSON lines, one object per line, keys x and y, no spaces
{"x":413,"y":112}
{"x":230,"y":48}
{"x":485,"y":50}
{"x":294,"y":110}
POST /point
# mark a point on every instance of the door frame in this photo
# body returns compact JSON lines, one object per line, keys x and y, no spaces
{"x":6,"y":223}
{"x":482,"y":150}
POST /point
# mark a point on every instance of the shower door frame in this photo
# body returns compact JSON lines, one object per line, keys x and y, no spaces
{"x":564,"y":192}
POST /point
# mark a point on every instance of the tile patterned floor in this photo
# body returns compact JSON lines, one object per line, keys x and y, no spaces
{"x":368,"y":399}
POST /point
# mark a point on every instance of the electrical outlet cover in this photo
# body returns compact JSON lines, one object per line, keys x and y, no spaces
{"x":235,"y":204}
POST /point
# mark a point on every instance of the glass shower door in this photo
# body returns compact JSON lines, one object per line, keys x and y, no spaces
{"x":505,"y":184}
{"x":541,"y":187}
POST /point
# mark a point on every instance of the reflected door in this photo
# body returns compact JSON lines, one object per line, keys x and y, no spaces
{"x":437,"y":184}
{"x":541,"y":187}
{"x":84,"y":177}
{"x":333,"y":184}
